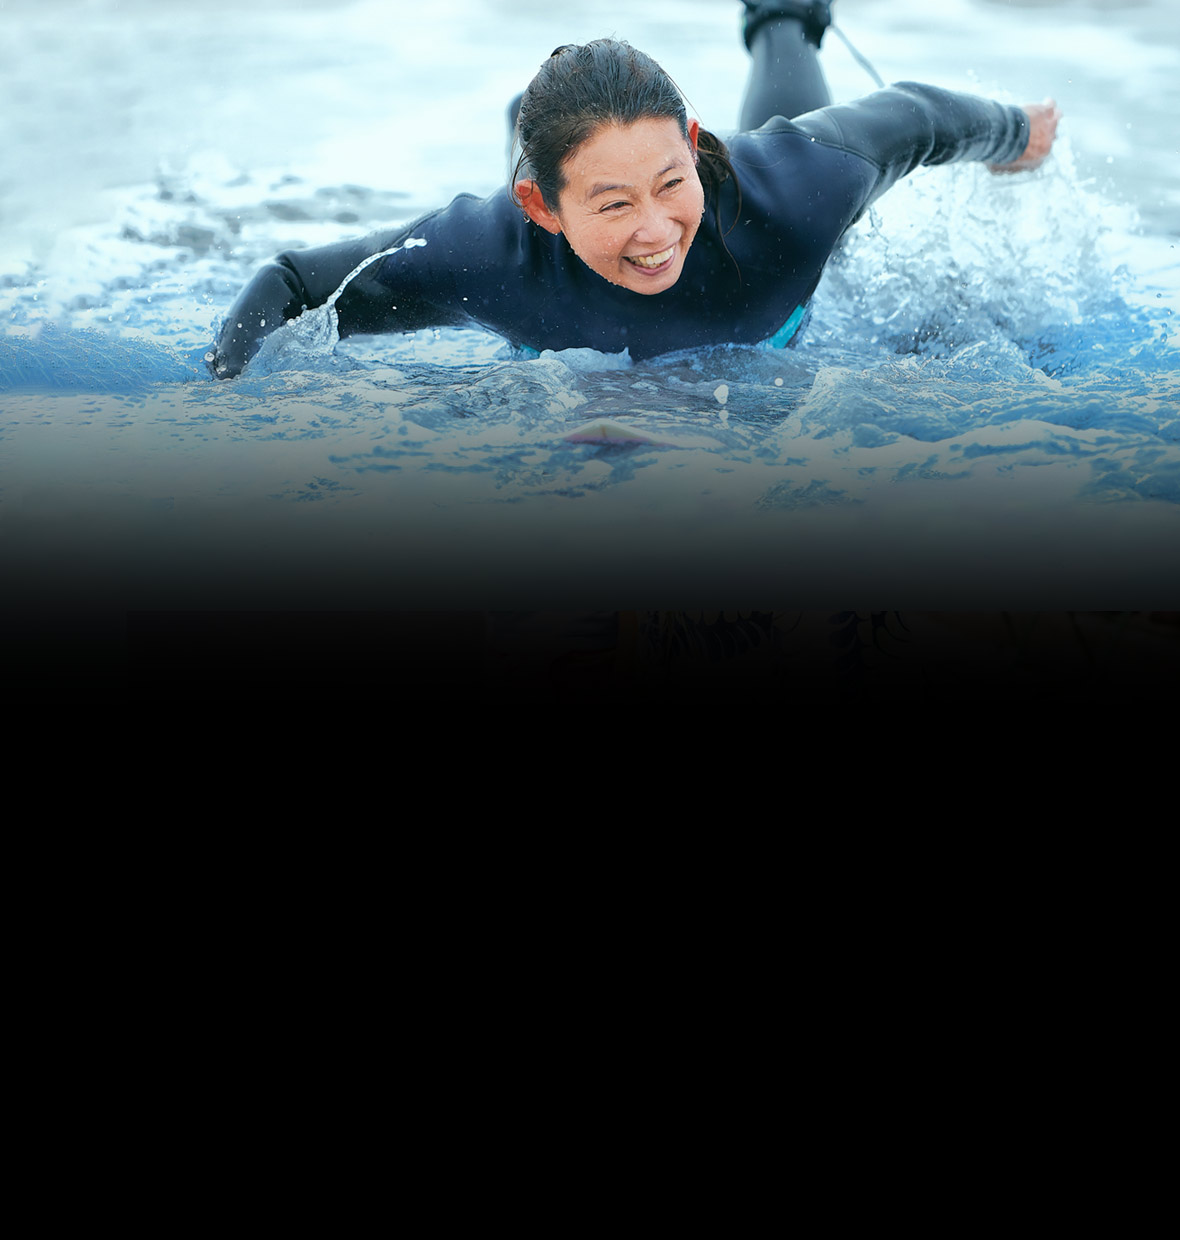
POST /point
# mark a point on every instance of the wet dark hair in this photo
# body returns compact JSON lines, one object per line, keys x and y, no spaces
{"x":578,"y":90}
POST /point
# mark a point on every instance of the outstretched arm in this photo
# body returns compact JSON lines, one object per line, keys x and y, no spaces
{"x":298,"y":280}
{"x":909,"y":125}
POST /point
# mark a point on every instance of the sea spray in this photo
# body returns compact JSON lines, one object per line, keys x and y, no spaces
{"x":313,"y":336}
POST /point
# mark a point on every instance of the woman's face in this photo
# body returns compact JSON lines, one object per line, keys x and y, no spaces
{"x":631,"y":205}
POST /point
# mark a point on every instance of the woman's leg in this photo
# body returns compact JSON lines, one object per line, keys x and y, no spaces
{"x":785,"y":77}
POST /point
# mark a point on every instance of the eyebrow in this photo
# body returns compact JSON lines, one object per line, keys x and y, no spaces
{"x":596,"y":190}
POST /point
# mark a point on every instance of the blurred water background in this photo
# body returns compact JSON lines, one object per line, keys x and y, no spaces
{"x":984,"y":413}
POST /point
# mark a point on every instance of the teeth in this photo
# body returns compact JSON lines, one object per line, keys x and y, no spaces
{"x":653,"y":260}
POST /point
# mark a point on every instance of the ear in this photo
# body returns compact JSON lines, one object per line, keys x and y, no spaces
{"x":694,"y":128}
{"x":535,"y":208}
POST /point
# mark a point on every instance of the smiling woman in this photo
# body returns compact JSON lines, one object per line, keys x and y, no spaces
{"x":631,"y":204}
{"x":616,"y":185}
{"x":609,"y":159}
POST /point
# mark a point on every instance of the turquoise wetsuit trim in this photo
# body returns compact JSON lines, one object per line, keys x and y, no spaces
{"x":791,"y":328}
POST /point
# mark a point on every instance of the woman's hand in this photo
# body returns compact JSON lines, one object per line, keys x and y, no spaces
{"x":1042,"y":129}
{"x":264,"y":305}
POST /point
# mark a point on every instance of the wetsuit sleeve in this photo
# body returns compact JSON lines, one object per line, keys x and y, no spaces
{"x":909,"y":125}
{"x":297,"y":280}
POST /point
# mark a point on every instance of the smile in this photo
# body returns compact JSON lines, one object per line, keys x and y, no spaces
{"x":652,"y":261}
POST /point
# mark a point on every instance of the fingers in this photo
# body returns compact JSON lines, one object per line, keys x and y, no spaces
{"x":1043,"y":119}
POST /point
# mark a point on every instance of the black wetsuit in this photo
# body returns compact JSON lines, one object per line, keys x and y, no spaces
{"x":802,"y":183}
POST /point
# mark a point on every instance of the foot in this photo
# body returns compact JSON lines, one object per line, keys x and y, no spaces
{"x":815,"y":16}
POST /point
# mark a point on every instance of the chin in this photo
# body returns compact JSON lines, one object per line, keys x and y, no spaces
{"x":649,"y":290}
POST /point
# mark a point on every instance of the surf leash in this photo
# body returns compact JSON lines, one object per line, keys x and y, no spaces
{"x":860,"y":60}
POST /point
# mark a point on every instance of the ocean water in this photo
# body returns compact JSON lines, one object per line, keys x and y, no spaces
{"x":984,"y":412}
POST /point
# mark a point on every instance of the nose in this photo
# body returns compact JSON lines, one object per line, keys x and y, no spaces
{"x":653,"y":223}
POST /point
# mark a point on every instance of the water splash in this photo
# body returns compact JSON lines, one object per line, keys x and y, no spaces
{"x":313,"y":336}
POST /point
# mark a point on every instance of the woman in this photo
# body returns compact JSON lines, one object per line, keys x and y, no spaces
{"x":630,"y":227}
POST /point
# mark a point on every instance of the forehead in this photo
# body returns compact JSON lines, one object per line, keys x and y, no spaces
{"x":627,"y":154}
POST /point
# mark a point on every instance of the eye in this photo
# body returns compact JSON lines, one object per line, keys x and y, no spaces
{"x":675,"y":183}
{"x":614,"y":206}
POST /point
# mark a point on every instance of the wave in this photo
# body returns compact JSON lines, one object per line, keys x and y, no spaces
{"x":52,"y":358}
